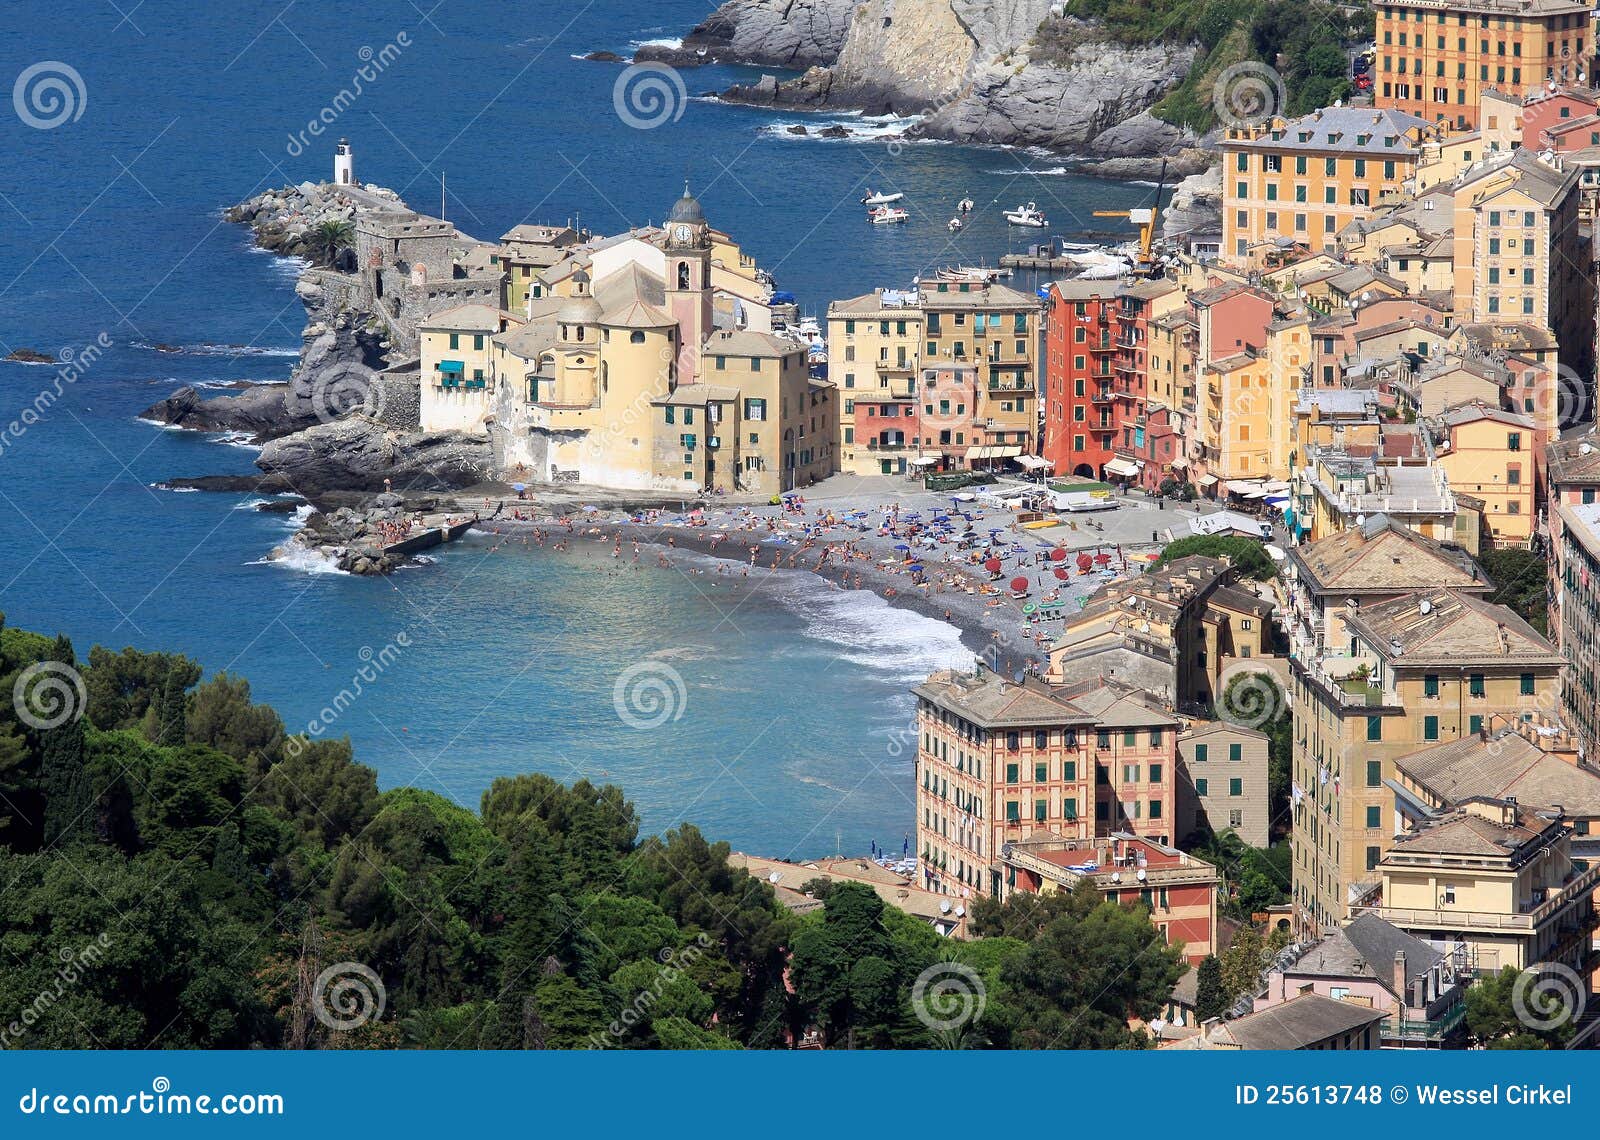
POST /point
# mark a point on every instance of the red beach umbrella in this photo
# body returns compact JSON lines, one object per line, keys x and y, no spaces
{"x":1020,"y":585}
{"x":1058,"y":554}
{"x":1084,"y":561}
{"x":1060,"y":573}
{"x":993,"y":566}
{"x":1102,"y":558}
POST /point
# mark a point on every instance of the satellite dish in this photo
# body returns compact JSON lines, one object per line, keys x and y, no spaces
{"x":1141,"y":874}
{"x":775,"y":877}
{"x":944,"y":906}
{"x":1425,"y":606}
{"x":1116,"y":876}
{"x":961,"y":911}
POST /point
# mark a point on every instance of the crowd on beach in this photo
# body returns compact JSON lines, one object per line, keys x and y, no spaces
{"x":972,"y":564}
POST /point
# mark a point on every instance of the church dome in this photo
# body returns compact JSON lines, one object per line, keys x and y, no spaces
{"x":686,"y":209}
{"x":580,"y":311}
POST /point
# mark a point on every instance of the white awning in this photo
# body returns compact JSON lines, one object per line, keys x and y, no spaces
{"x":1273,"y":486}
{"x":1035,"y":462}
{"x":1126,"y":468}
{"x":1179,"y":462}
{"x":1243,"y":486}
{"x":994,"y":451}
{"x":1208,"y":480}
{"x":926,"y":461}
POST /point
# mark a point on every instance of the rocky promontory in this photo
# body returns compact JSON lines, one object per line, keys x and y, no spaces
{"x":768,"y":33}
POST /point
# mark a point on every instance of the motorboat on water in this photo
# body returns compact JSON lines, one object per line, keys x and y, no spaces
{"x":954,"y":224}
{"x":887,"y":215}
{"x":874,"y":198}
{"x":980,"y":274}
{"x":965,"y":205}
{"x":1028,"y":215}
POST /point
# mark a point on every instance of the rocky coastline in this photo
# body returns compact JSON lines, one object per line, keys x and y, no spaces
{"x":1010,"y":73}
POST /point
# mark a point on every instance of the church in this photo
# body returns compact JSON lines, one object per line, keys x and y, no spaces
{"x":642,"y":361}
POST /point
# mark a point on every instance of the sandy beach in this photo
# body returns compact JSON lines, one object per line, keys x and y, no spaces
{"x":949,"y":559}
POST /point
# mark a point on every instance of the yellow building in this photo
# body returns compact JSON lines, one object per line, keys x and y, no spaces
{"x":525,"y":252}
{"x":874,"y":356}
{"x":457,"y":368}
{"x":996,"y":330}
{"x":1519,"y":255}
{"x":1496,"y":878}
{"x":1305,"y":179}
{"x":1421,"y":669}
{"x":1435,"y":59}
{"x":1489,"y":454}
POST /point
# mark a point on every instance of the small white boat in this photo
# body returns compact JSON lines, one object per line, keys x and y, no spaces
{"x":1028,"y":215}
{"x":975,"y":273}
{"x":955,"y":224}
{"x":965,"y":205}
{"x":874,"y":198}
{"x":887,"y":215}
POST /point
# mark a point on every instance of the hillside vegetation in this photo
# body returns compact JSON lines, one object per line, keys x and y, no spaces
{"x":1302,"y":40}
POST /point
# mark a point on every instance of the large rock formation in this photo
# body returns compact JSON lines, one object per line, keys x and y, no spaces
{"x":773,"y":33}
{"x":1007,"y":72}
{"x":358,"y":454}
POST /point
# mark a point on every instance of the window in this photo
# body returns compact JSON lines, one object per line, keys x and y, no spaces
{"x":1199,"y":753}
{"x":1041,"y":740}
{"x":1527,"y":684}
{"x":1041,"y":773}
{"x":1102,"y":738}
{"x":1374,"y":773}
{"x":1374,"y":816}
{"x":1040,"y":809}
{"x":1155,"y":809}
{"x":1235,"y":752}
{"x":1013,"y":741}
{"x":1011,"y":773}
{"x":1155,"y":773}
{"x":1373,"y":855}
{"x":1236,"y":818}
{"x":1448,"y":898}
{"x":1130,"y":773}
{"x":1012,"y":812}
{"x":1200,"y":787}
{"x":1475,"y":723}
{"x":1069,"y":808}
{"x":1129,"y":738}
{"x":1430,"y":685}
{"x":1236,"y":787}
{"x":1069,"y":769}
{"x":1374,"y":728}
{"x":755,"y":409}
{"x":1155,"y":739}
{"x":1430,"y":728}
{"x":1475,"y":684}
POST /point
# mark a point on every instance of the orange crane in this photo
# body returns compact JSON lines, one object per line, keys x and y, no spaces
{"x":1145,"y":218}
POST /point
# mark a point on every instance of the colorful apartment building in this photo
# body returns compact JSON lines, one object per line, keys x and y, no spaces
{"x":1493,"y":455}
{"x":1421,"y":669}
{"x":874,"y":358}
{"x":1178,"y":889}
{"x":996,"y":331}
{"x":1301,"y":181}
{"x":1435,"y":60}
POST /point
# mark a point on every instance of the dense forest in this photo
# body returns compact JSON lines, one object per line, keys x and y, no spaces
{"x":176,"y":872}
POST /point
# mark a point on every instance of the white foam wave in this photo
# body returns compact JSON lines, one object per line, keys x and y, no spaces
{"x":1017,"y":172}
{"x":895,"y":643}
{"x":243,"y":439}
{"x":664,"y":42}
{"x":176,"y":490}
{"x":158,"y":424}
{"x":300,"y":560}
{"x":214,"y":349}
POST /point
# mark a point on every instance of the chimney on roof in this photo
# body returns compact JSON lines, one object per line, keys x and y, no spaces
{"x":1400,"y":977}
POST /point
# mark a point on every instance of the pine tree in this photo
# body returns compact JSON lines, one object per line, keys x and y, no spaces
{"x":64,"y":771}
{"x":1209,"y":1000}
{"x":174,"y":726}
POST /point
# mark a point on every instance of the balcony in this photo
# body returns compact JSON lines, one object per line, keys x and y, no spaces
{"x":1526,"y":922}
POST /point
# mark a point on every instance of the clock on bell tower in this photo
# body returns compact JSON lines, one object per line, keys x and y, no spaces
{"x":688,"y":281}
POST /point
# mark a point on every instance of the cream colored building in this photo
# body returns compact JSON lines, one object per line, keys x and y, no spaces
{"x":457,"y":370}
{"x":996,"y":330}
{"x":874,"y":356}
{"x":1421,"y":669}
{"x":1492,"y":455}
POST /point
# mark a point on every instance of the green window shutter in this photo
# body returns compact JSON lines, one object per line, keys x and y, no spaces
{"x":1200,"y":787}
{"x":1527,"y":684}
{"x":1430,"y":685}
{"x":1430,"y":728}
{"x":1069,"y":769}
{"x":1236,"y":787}
{"x":1039,"y":809}
{"x":1374,"y":728}
{"x":1011,"y":773}
{"x":1374,"y":816}
{"x":1041,"y":773}
{"x":1069,"y":809}
{"x":1011,"y":812}
{"x":1374,"y":773}
{"x":1475,"y":684}
{"x":1199,"y":753}
{"x":1235,"y":752}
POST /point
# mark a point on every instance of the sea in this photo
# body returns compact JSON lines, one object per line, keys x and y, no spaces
{"x":778,"y":718}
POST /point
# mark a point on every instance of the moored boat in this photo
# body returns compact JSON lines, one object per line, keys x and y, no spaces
{"x":886,"y":215}
{"x":1029,"y":215}
{"x":874,"y":198}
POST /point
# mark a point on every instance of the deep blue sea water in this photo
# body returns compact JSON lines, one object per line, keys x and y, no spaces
{"x":109,"y":224}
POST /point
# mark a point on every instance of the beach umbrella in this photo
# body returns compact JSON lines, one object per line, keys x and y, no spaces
{"x":519,"y":487}
{"x":1060,"y":573}
{"x":901,"y":546}
{"x":993,"y":566}
{"x":915,"y":568}
{"x":1102,"y":558}
{"x":1084,"y":561}
{"x":1058,"y":554}
{"x":1019,"y":585}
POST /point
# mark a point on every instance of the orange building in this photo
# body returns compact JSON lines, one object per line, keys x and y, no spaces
{"x":1435,"y":59}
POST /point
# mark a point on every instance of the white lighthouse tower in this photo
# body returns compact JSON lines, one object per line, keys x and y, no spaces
{"x":344,"y":164}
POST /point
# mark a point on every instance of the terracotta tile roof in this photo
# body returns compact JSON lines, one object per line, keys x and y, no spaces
{"x":1381,"y":556}
{"x":1447,"y":627}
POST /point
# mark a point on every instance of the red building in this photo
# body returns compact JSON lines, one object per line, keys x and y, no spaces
{"x":1080,"y":428}
{"x":1179,"y":890}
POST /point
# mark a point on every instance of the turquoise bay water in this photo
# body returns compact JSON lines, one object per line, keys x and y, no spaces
{"x":109,"y":224}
